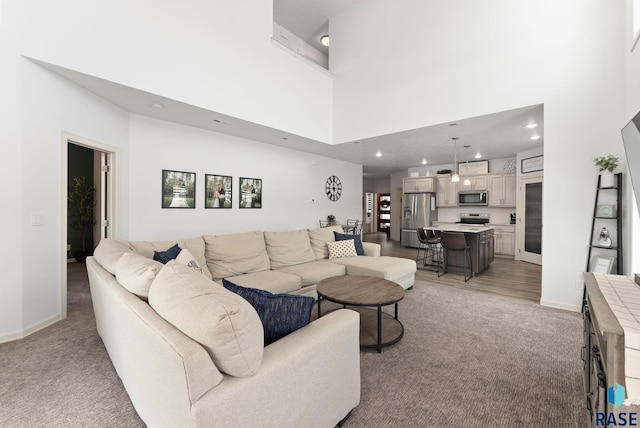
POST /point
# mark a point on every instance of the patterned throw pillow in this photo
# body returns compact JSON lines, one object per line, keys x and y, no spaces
{"x":164,"y":256}
{"x":339,"y":249}
{"x":280,"y":314}
{"x":357,"y":241}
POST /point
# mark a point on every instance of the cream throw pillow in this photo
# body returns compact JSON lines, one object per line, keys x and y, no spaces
{"x":340,"y":249}
{"x":225,"y":324}
{"x":136,"y":272}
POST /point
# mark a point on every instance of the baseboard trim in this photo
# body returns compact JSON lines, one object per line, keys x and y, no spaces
{"x":571,"y":308}
{"x":10,"y":337}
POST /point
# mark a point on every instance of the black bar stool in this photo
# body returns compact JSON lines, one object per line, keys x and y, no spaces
{"x":455,"y":241}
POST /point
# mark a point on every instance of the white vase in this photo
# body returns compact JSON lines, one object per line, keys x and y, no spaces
{"x":607,"y":179}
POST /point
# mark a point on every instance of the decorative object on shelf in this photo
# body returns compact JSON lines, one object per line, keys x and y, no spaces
{"x":178,"y":189}
{"x":605,"y":238}
{"x":606,"y":210}
{"x":533,"y":164}
{"x":602,"y":264}
{"x":474,"y":168}
{"x":606,"y":164}
{"x":250,"y":193}
{"x":331,"y":220}
{"x":443,"y":172}
{"x":333,"y":188}
{"x":509,"y":165}
{"x":217,"y":191}
{"x":455,"y":177}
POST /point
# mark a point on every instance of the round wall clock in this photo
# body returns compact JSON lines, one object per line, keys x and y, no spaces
{"x":333,"y":188}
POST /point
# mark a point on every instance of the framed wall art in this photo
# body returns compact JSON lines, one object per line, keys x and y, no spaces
{"x":218,"y":191}
{"x":532,"y":164}
{"x":178,"y":189}
{"x":602,"y":264}
{"x":250,"y":192}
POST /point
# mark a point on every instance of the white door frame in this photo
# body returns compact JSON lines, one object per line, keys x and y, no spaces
{"x":520,"y":212}
{"x":111,"y":154}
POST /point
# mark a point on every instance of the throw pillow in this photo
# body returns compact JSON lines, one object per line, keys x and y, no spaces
{"x":222,"y":322}
{"x":164,"y":256}
{"x":340,"y":249}
{"x":280,"y":314}
{"x":186,"y":258}
{"x":357,"y":241}
{"x":136,"y":272}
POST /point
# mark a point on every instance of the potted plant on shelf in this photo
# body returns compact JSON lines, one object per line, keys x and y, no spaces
{"x":81,"y":199}
{"x":606,"y":164}
{"x":331,"y":219}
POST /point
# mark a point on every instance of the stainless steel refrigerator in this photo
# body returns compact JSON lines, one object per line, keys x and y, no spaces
{"x":418,"y":210}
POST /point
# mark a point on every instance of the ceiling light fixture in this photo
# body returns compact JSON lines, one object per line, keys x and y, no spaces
{"x":424,"y":161}
{"x":478,"y":155}
{"x":378,"y":154}
{"x":535,"y":137}
{"x":157,"y":105}
{"x":466,"y":181}
{"x":455,"y":177}
{"x":325,"y":40}
{"x":531,"y":125}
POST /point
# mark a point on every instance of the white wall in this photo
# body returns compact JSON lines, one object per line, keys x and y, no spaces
{"x":290,"y":180}
{"x":451,"y":60}
{"x":212,"y":54}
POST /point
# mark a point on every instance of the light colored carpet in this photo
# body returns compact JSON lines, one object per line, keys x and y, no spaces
{"x":467,"y":360}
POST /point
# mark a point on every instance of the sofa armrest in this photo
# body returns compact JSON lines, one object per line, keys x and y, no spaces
{"x":309,"y":378}
{"x":371,"y":249}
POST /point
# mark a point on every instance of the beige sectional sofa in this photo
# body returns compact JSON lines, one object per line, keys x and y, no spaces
{"x":310,"y":377}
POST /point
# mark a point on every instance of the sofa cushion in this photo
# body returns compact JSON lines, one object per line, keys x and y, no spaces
{"x":225,"y":324}
{"x":186,"y":258}
{"x":314,"y":272}
{"x":320,"y":237}
{"x":236,"y":254}
{"x":280,"y":314}
{"x":274,"y":281}
{"x":288,"y":248}
{"x":357,"y":241}
{"x":109,"y":251}
{"x":167,"y":255}
{"x":136,"y":273}
{"x":390,"y":268}
{"x":340,"y":249}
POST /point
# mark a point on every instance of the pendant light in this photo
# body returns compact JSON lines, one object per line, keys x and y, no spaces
{"x":455,"y":177}
{"x":466,"y":181}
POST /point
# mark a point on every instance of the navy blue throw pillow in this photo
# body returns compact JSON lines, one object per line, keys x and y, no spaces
{"x":357,"y":241}
{"x":280,"y":314}
{"x":164,"y":256}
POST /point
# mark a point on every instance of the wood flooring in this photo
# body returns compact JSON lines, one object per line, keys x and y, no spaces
{"x":506,"y":276}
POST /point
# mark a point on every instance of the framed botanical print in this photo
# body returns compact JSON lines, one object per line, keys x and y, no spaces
{"x":178,"y":189}
{"x":250,"y":192}
{"x":218,"y":191}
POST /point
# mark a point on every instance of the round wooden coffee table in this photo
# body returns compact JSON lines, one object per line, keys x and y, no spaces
{"x":377,"y":329}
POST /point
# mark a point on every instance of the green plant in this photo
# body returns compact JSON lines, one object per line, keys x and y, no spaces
{"x":444,"y":171}
{"x":608,"y":163}
{"x":81,"y":200}
{"x":331,"y":218}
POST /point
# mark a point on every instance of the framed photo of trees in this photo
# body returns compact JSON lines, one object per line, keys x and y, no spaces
{"x":178,"y":189}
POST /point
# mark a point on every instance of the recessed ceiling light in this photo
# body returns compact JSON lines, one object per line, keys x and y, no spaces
{"x":531,"y":125}
{"x":535,"y":137}
{"x":220,"y":121}
{"x":356,"y":142}
{"x":325,"y":40}
{"x":284,"y":138}
{"x":157,"y":105}
{"x":424,"y":161}
{"x":453,"y":124}
{"x":378,"y":154}
{"x":478,"y":155}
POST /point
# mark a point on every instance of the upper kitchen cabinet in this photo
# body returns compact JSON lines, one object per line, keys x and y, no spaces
{"x":502,"y":190}
{"x":477,"y":182}
{"x":418,"y":185}
{"x":447,"y":192}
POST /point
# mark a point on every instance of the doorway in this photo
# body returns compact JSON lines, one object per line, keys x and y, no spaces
{"x":530,"y":220}
{"x":384,"y":213}
{"x":98,"y":172}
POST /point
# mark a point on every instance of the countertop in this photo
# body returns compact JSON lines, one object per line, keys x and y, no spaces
{"x":459,"y":227}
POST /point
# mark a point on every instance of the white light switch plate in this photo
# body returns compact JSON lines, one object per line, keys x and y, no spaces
{"x":37,"y":219}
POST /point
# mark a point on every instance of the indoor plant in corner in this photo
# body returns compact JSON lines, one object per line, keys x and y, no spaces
{"x":606,"y":164}
{"x":81,"y":200}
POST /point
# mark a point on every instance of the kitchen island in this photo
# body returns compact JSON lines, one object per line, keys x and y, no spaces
{"x":479,"y":238}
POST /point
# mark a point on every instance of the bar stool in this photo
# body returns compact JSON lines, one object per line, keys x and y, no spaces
{"x":429,"y":242}
{"x":456,"y":242}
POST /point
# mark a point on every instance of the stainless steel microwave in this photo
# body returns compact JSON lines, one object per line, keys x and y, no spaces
{"x":473,"y":197}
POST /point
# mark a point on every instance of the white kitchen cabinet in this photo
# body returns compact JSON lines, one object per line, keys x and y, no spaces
{"x":418,"y":185}
{"x":478,"y":182}
{"x":502,"y":190}
{"x":505,"y":239}
{"x":447,"y":192}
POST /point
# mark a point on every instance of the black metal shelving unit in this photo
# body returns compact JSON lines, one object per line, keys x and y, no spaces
{"x":613,"y":222}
